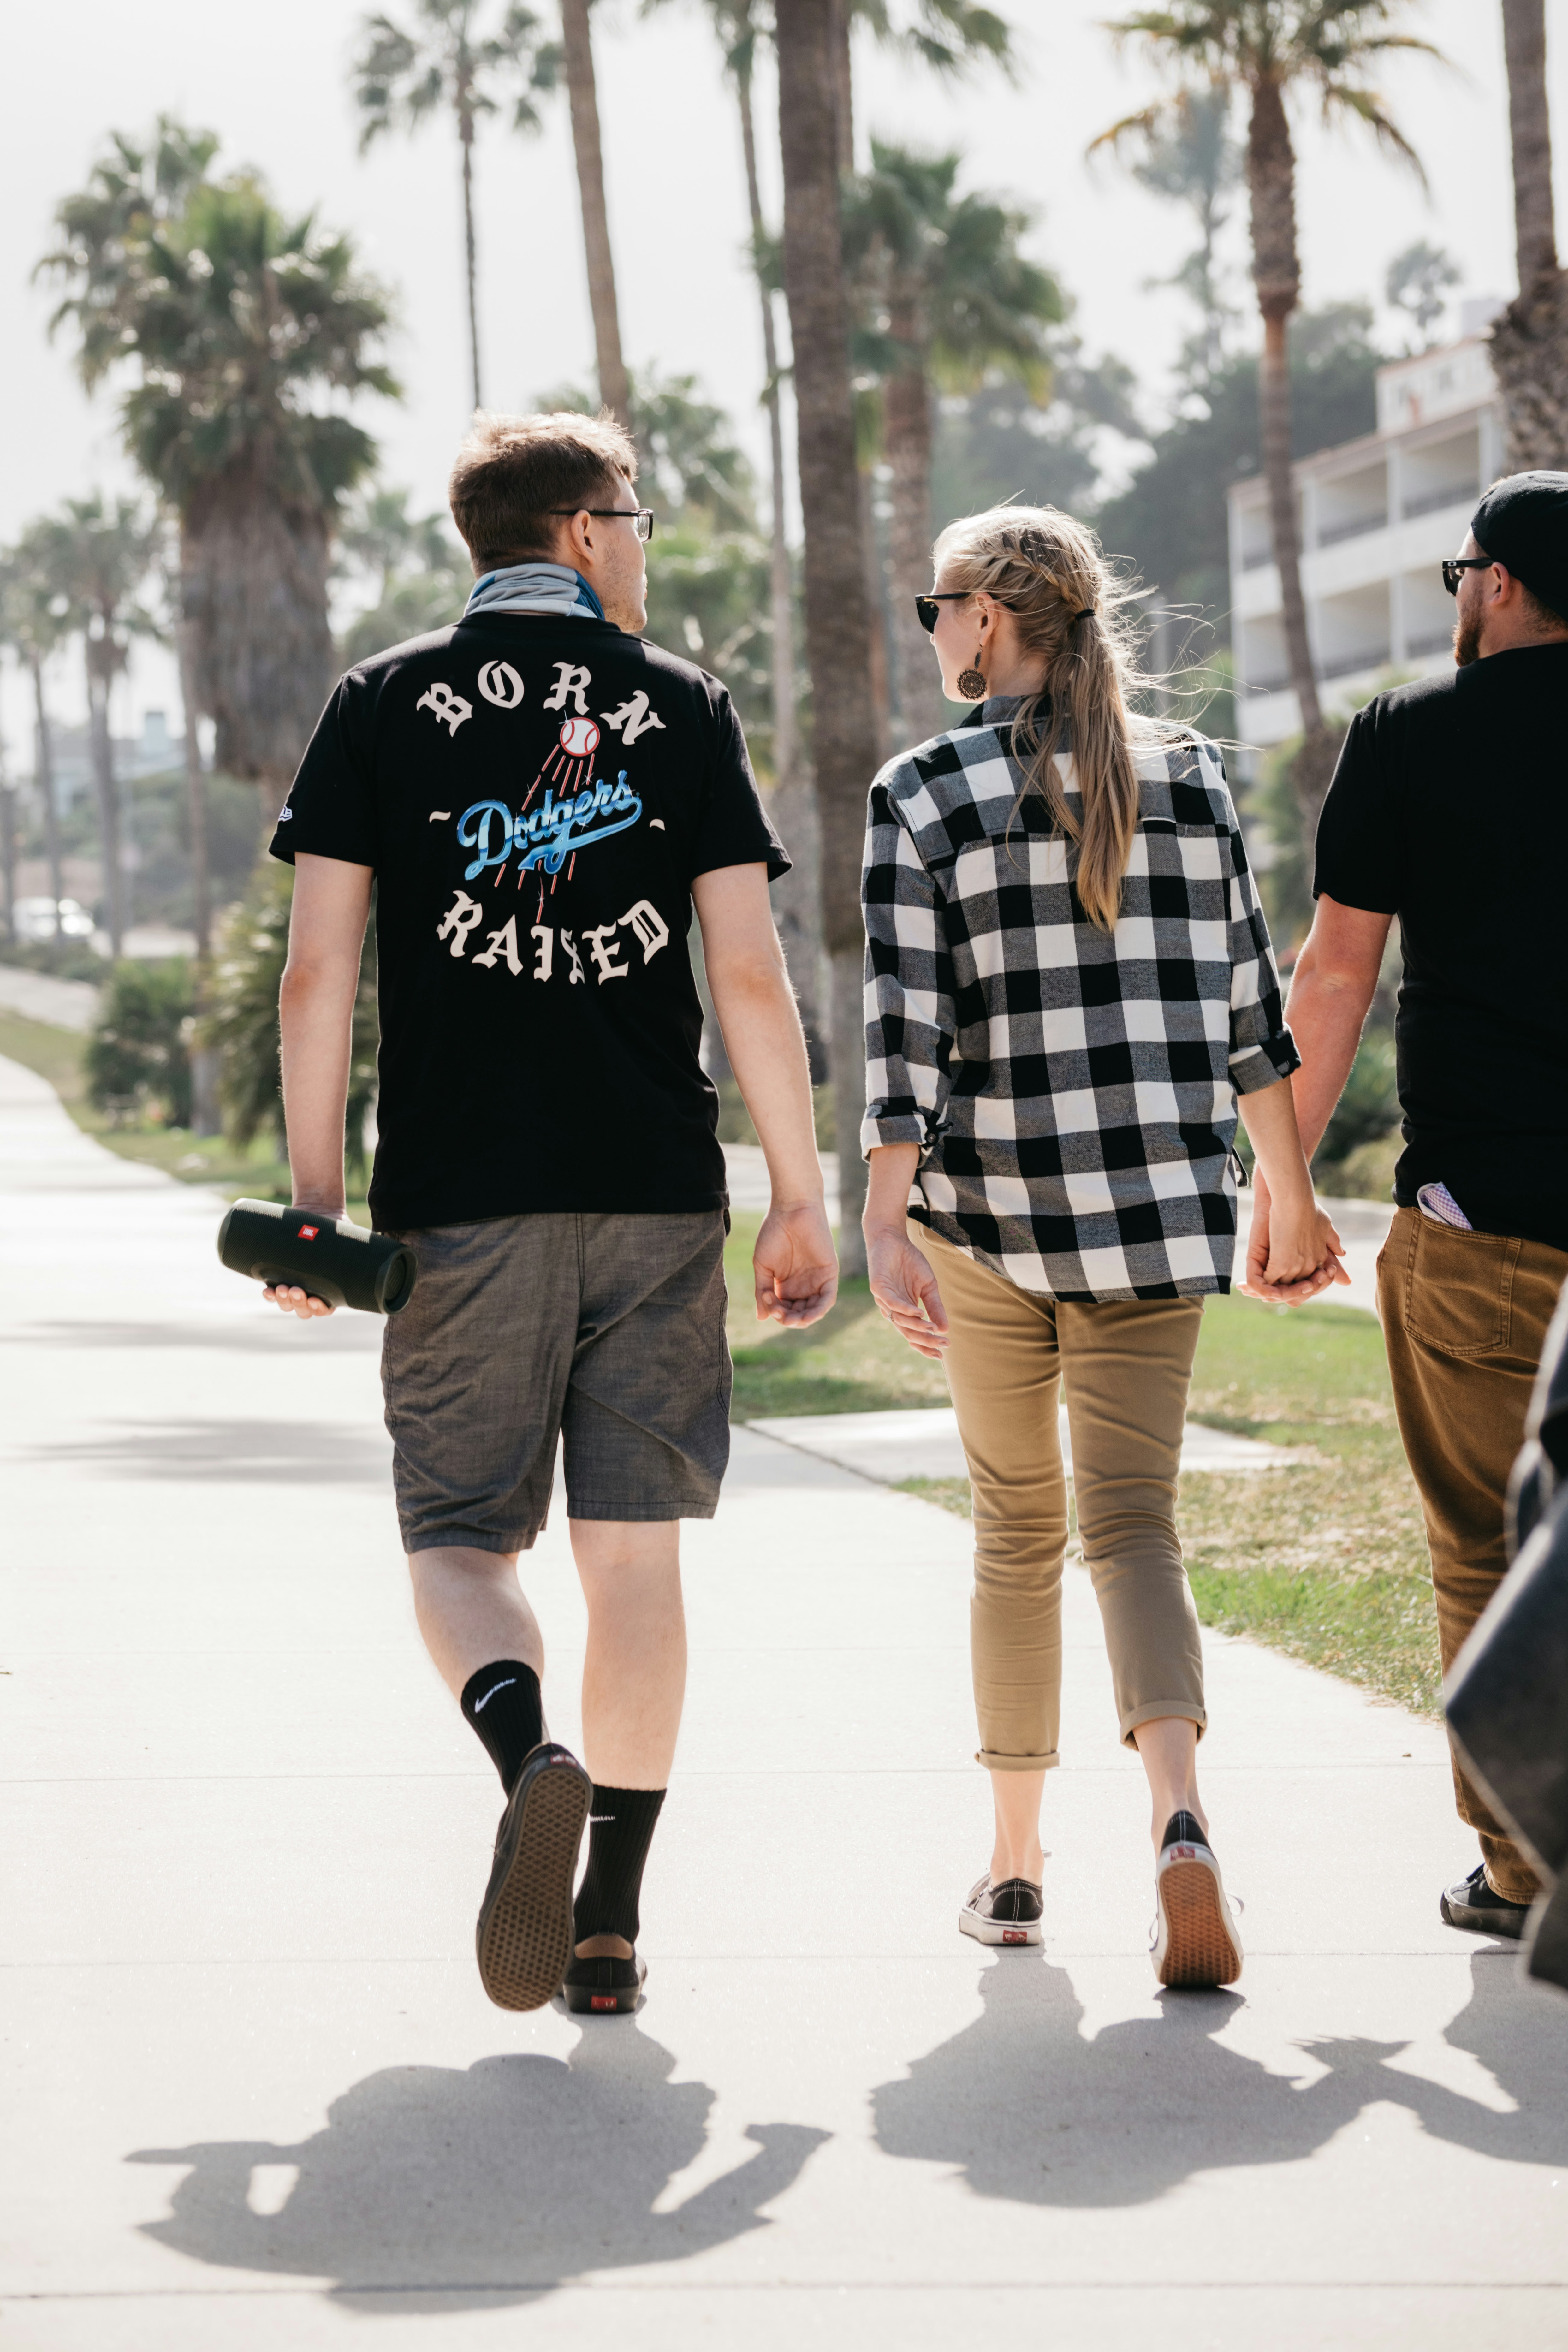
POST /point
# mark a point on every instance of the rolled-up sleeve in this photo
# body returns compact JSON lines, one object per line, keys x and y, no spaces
{"x":1262,"y":1050}
{"x":910,"y":1019}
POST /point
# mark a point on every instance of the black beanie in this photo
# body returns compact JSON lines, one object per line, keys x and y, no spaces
{"x":1523,"y":523}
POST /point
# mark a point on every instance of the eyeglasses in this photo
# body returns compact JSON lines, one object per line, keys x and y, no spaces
{"x":1454,"y":564}
{"x":925,"y":607}
{"x":641,"y":516}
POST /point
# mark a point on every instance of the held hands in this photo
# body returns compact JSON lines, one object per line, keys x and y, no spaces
{"x":905,"y":1289}
{"x":1292,"y":1251}
{"x":794,"y":1265}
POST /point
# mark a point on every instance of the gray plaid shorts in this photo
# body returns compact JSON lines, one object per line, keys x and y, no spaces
{"x":606,"y":1332}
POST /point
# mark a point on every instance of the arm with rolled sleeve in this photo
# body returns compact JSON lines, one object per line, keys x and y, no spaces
{"x":910,"y":1017}
{"x":1262,"y":1050}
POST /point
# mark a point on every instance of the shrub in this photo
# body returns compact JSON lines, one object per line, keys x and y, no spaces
{"x":139,"y":1055}
{"x":243,"y":1022}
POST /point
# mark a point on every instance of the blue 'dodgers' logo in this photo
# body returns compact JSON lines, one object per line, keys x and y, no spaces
{"x":548,"y":835}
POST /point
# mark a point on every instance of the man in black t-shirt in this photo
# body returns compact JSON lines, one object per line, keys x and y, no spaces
{"x":540,"y":800}
{"x":1449,"y":809}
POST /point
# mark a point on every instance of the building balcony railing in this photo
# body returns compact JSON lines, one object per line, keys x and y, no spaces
{"x":1331,"y":534}
{"x":1453,"y":494}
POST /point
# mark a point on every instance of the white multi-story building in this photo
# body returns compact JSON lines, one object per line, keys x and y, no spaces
{"x":1377,"y":515}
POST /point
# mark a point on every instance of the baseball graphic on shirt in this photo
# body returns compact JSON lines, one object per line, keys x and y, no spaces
{"x":579,"y":738}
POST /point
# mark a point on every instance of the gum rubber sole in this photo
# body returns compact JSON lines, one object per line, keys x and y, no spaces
{"x":524,"y":1934}
{"x":1200,"y":1949}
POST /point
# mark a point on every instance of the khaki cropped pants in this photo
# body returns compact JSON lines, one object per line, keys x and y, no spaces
{"x":1125,"y":1368}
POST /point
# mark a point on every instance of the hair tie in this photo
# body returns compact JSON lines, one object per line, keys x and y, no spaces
{"x":1087,"y":613}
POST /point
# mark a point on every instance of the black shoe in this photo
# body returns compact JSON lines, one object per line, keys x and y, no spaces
{"x":1194,"y":1942}
{"x":524,"y":1934}
{"x":1008,"y":1914}
{"x":1473,"y":1904}
{"x":605,"y":1985}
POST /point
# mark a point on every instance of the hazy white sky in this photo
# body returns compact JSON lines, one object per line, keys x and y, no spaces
{"x":274,"y":83}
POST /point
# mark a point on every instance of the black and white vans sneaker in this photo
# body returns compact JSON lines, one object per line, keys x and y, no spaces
{"x":1473,"y":1904}
{"x":1193,"y":1940}
{"x":604,"y":1987}
{"x":524,"y":1933}
{"x":1008,"y":1914}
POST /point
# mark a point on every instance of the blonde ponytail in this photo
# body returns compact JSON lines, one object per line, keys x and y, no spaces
{"x":1067,"y":607}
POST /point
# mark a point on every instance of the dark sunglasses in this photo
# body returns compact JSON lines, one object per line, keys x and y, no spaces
{"x":925,"y":607}
{"x":641,"y":516}
{"x":1454,"y":564}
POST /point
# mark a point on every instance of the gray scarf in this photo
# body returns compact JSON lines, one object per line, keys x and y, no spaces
{"x":534,"y":588}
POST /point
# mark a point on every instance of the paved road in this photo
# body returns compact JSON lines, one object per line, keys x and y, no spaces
{"x":254,"y":2099}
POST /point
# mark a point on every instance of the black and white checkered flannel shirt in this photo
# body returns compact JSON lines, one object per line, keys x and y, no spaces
{"x":1073,"y":1092}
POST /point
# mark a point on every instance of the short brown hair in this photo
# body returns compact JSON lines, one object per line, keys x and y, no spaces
{"x":513,"y":473}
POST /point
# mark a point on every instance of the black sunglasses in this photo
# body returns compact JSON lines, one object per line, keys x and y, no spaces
{"x":641,"y":516}
{"x":1454,"y":564}
{"x":925,"y":607}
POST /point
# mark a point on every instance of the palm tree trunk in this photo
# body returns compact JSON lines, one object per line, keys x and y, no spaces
{"x":796,"y":899}
{"x":466,"y":133}
{"x":907,"y":421}
{"x":255,"y":573}
{"x":100,"y":655}
{"x":46,"y":782}
{"x":613,"y":390}
{"x":1529,"y":125}
{"x":837,"y":623}
{"x":1277,"y":275}
{"x":204,"y":1058}
{"x":842,"y":87}
{"x":1530,"y":342}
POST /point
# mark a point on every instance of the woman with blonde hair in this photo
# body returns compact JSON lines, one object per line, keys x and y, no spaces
{"x":1070,"y":993}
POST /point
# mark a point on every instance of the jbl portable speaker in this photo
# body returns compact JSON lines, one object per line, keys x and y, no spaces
{"x":325,"y":1255}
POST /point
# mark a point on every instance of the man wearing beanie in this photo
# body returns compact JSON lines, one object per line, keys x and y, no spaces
{"x":1449,"y":810}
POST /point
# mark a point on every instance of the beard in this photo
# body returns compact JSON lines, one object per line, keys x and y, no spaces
{"x":1467,"y":641}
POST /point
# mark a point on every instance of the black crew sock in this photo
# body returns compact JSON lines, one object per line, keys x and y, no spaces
{"x":503,"y":1703}
{"x":622,"y":1825}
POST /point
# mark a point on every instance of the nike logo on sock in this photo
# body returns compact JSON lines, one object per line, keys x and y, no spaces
{"x":481,"y":1704}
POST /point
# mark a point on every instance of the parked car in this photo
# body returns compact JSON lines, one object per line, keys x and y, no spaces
{"x":35,"y":920}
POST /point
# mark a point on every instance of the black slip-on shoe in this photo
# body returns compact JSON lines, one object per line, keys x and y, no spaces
{"x":524,"y":1934}
{"x":604,"y":1987}
{"x":1194,"y":1942}
{"x":1473,"y":1904}
{"x":1008,"y":1914}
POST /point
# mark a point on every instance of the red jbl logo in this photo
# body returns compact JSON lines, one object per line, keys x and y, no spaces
{"x":308,"y":1233}
{"x":604,"y":2000}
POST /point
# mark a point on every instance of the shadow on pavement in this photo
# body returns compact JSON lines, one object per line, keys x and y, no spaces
{"x":495,"y":2184}
{"x":1027,"y":2109}
{"x":269,"y":1335}
{"x":308,"y":1453}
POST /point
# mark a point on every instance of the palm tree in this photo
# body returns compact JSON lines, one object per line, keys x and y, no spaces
{"x":1530,"y":342}
{"x":948,"y":35}
{"x":1268,"y":50}
{"x":953,"y":299}
{"x":837,"y":617}
{"x":1192,"y":158}
{"x":228,"y":323}
{"x":402,"y":77}
{"x":99,"y":558}
{"x":578,"y":54}
{"x":33,"y":624}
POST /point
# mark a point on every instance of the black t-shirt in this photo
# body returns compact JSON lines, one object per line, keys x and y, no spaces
{"x":536,"y":796}
{"x":1449,"y":809}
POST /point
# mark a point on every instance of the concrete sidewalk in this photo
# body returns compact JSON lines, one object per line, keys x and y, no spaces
{"x":254,"y":2097}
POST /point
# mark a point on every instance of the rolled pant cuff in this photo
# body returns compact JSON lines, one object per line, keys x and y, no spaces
{"x":994,"y":1763}
{"x":1155,"y":1710}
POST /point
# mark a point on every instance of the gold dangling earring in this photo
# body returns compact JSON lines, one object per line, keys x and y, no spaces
{"x":971,"y":682}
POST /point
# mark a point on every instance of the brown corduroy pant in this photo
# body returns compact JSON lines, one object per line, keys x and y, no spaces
{"x":1464,"y":1321}
{"x":1124,"y":1367}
